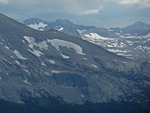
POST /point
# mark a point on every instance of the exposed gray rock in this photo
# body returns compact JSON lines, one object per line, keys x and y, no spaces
{"x":102,"y":77}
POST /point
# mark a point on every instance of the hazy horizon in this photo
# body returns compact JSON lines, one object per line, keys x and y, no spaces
{"x":100,"y":13}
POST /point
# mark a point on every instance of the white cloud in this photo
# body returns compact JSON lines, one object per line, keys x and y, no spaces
{"x":141,"y":3}
{"x":77,"y":7}
{"x":124,"y":2}
{"x":145,"y":4}
{"x":92,"y":11}
{"x":97,"y":11}
{"x":4,"y":1}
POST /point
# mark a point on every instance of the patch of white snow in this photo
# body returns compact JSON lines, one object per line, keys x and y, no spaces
{"x":57,"y":43}
{"x":56,"y":72}
{"x":26,"y":81}
{"x":60,"y":29}
{"x":94,"y":66}
{"x":51,"y":61}
{"x":17,"y":62}
{"x":42,"y":45}
{"x":39,"y":26}
{"x":65,"y":56}
{"x":97,"y":36}
{"x":85,"y":58}
{"x":19,"y":55}
{"x":36,"y":52}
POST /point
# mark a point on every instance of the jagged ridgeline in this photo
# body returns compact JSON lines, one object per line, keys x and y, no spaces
{"x":131,"y":41}
{"x":49,"y":71}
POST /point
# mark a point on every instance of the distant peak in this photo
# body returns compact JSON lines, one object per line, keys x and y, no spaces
{"x":64,"y":21}
{"x":33,"y":21}
{"x":139,"y":23}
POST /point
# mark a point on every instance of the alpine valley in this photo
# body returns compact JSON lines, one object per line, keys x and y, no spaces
{"x":56,"y":69}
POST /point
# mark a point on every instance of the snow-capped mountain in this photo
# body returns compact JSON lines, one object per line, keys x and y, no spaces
{"x":131,"y":41}
{"x":72,"y":29}
{"x":36,"y":23}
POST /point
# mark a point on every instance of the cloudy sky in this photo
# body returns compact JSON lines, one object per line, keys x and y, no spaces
{"x":102,"y":13}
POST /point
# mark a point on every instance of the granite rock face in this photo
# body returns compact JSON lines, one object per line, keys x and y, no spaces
{"x":42,"y":63}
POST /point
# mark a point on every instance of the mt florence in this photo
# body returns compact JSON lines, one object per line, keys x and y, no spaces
{"x":62,"y":67}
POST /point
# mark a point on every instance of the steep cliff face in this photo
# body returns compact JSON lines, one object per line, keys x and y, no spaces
{"x":49,"y":63}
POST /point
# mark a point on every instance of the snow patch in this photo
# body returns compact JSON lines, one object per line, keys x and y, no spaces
{"x":117,"y":33}
{"x":61,"y":43}
{"x":1,"y":43}
{"x":17,"y":62}
{"x":12,"y":57}
{"x":23,"y":41}
{"x":26,"y":70}
{"x":43,"y":64}
{"x":85,"y":58}
{"x":36,"y":52}
{"x":82,"y":96}
{"x":96,"y":36}
{"x":60,"y":29}
{"x":27,"y":82}
{"x":6,"y":47}
{"x":19,"y":55}
{"x":130,"y":42}
{"x":42,"y":45}
{"x":51,"y":61}
{"x":122,"y":45}
{"x":56,"y":72}
{"x":94,"y":66}
{"x":122,"y":54}
{"x":117,"y":51}
{"x":39,"y":26}
{"x":65,"y":56}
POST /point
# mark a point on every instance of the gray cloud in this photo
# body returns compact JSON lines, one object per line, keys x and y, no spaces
{"x":91,"y":12}
{"x":141,"y":3}
{"x":129,"y":1}
{"x":145,"y":4}
{"x":77,"y":7}
{"x":4,"y":1}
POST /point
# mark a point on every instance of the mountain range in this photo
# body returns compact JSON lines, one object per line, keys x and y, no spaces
{"x":49,"y":69}
{"x":131,"y":42}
